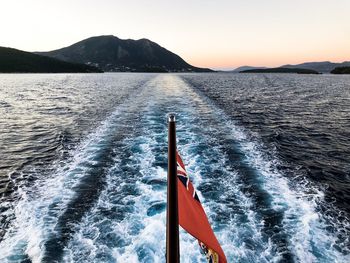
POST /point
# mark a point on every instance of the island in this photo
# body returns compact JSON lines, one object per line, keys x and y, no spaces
{"x":341,"y":70}
{"x":281,"y":70}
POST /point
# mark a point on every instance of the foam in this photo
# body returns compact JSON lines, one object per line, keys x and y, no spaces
{"x":119,"y":228}
{"x":144,"y":236}
{"x":39,"y":208}
{"x":302,"y":222}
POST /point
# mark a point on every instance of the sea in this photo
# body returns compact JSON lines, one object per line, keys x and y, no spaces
{"x":83,"y":165}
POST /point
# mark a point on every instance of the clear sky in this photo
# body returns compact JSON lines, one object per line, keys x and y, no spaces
{"x":206,"y":33}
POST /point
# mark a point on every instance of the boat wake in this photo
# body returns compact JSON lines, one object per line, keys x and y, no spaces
{"x":107,"y":203}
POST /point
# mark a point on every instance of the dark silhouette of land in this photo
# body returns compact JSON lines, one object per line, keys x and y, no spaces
{"x":281,"y":70}
{"x":321,"y":67}
{"x":110,"y":53}
{"x":341,"y":70}
{"x":17,"y":61}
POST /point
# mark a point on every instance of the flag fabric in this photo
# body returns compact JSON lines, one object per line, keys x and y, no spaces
{"x":193,"y":219}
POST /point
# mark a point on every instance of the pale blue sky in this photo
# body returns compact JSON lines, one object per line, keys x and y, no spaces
{"x":217,"y":34}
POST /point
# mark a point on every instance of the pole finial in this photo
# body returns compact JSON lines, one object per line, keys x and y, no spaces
{"x":171,"y":117}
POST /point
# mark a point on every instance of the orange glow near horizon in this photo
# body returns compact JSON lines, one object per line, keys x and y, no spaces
{"x":224,"y":62}
{"x":277,"y":56}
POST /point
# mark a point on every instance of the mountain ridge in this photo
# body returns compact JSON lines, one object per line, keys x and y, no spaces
{"x":110,"y":53}
{"x":321,"y":66}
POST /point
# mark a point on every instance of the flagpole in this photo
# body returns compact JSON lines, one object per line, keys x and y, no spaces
{"x":172,"y":226}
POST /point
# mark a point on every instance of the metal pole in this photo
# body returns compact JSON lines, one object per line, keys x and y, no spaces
{"x":172,"y":226}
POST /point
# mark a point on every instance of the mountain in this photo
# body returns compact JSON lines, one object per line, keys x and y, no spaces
{"x":323,"y":67}
{"x":17,"y":61}
{"x":341,"y":70}
{"x":281,"y":70}
{"x":110,"y":53}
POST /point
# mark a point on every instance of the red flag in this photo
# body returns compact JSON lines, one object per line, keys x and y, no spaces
{"x":193,"y":219}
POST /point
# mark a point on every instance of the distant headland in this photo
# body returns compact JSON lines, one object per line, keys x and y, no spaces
{"x":281,"y":70}
{"x":17,"y":61}
{"x":304,"y":68}
{"x":341,"y":70}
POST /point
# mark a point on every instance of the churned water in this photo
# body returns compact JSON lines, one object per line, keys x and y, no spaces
{"x":83,"y":165}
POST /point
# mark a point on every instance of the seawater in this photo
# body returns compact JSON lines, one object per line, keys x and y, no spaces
{"x":83,"y":165}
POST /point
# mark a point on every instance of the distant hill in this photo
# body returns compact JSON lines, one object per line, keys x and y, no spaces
{"x":323,"y":67}
{"x":110,"y":53}
{"x":17,"y":61}
{"x":341,"y":70}
{"x":242,"y":68}
{"x":281,"y":70}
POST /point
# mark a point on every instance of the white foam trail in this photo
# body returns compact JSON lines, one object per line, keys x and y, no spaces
{"x":307,"y":230}
{"x":301,"y":221}
{"x":137,"y":230}
{"x":144,"y":235}
{"x":39,"y":208}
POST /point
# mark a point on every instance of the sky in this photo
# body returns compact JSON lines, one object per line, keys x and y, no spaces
{"x":219,"y":34}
